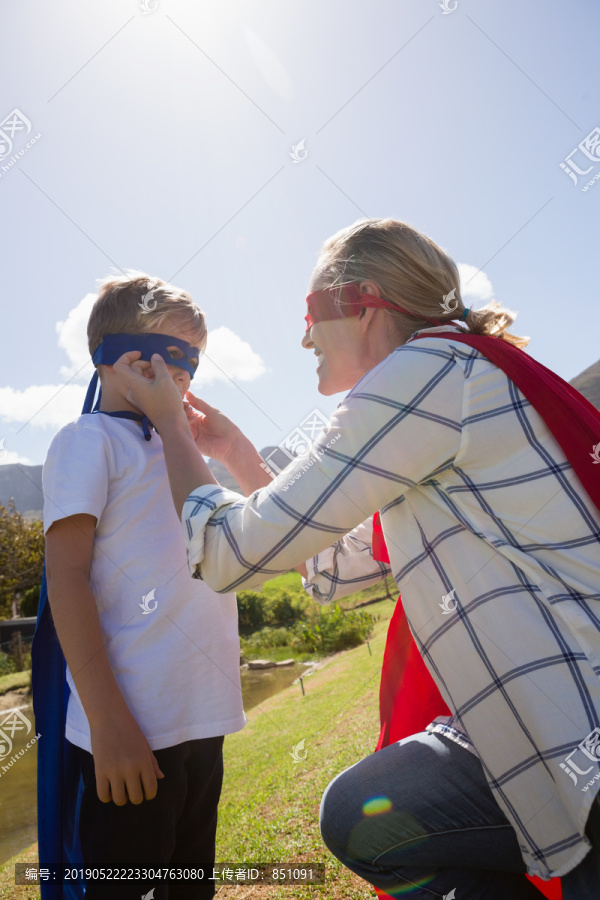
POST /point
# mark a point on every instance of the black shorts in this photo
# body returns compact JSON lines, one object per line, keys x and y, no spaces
{"x":176,"y":829}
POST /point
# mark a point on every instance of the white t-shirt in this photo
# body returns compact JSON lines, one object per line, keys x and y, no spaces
{"x":177,"y":665}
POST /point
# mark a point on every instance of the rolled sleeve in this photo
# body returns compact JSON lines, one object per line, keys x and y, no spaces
{"x":345,"y":567}
{"x":198,"y":509}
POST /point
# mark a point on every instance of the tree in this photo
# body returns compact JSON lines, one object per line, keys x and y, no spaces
{"x":21,"y":556}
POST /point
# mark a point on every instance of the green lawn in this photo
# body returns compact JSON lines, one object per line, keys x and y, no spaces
{"x":15,"y":680}
{"x":269,"y":809}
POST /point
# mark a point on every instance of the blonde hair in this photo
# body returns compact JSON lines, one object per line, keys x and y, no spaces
{"x":119,"y":307}
{"x":412,"y":271}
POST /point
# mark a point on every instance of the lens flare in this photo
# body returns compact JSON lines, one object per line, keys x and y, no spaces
{"x":376,"y":805}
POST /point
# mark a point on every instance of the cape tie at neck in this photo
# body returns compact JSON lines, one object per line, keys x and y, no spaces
{"x":128,"y":414}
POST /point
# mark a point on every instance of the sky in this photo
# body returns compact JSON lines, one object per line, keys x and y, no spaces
{"x":159,"y":135}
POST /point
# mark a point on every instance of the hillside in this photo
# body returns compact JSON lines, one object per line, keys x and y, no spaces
{"x":588,"y":384}
{"x":24,"y":485}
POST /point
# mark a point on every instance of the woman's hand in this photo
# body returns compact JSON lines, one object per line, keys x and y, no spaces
{"x":158,"y":398}
{"x":215,"y":435}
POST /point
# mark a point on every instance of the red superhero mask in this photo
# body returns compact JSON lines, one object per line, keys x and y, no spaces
{"x":346,"y":300}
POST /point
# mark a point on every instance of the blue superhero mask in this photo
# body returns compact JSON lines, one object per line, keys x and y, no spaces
{"x":174,"y":351}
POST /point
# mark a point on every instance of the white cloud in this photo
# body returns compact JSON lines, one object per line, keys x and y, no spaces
{"x":11,"y":457}
{"x":46,"y":405}
{"x":72,"y":338}
{"x":269,"y":65}
{"x":474,"y":284}
{"x":227,"y":357}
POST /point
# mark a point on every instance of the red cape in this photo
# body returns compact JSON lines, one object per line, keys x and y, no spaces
{"x":408,"y":696}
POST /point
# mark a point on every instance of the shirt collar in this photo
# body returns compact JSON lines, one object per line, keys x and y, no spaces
{"x":436,"y":329}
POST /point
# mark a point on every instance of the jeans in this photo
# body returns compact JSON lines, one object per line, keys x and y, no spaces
{"x":419,"y":820}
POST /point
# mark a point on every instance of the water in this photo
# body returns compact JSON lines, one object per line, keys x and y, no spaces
{"x":259,"y":684}
{"x":18,"y":822}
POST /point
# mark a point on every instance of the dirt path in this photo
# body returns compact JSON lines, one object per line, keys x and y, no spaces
{"x":17,"y":698}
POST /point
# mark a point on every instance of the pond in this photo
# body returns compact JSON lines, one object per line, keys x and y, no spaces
{"x":259,"y":684}
{"x":18,"y":828}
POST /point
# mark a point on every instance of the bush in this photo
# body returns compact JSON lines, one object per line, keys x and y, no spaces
{"x":29,"y":601}
{"x":282,"y":608}
{"x":337,"y":629}
{"x":251,"y":614}
{"x":268,"y":638}
{"x":275,"y":607}
{"x":7,"y":665}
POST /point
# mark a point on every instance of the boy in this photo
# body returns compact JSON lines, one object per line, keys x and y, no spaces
{"x":152,"y":655}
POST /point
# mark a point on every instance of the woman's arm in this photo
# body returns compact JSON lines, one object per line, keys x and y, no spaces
{"x":345,"y":567}
{"x":397,"y":428}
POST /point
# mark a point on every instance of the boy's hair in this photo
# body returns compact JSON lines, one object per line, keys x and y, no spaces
{"x":120,"y":307}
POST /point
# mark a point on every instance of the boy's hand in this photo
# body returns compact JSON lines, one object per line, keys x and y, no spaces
{"x":215,"y":435}
{"x":126,"y":768}
{"x":158,"y":398}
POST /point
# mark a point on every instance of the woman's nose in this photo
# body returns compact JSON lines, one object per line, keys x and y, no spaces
{"x":306,"y":341}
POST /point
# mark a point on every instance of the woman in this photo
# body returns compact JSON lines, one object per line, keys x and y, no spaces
{"x":481,"y":509}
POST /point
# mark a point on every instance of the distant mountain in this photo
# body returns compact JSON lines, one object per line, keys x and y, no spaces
{"x":588,"y":384}
{"x":24,"y":485}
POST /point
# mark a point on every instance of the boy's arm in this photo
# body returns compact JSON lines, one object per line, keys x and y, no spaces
{"x":124,"y":764}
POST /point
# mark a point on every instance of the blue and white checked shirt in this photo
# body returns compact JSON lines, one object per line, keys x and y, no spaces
{"x":477,"y":501}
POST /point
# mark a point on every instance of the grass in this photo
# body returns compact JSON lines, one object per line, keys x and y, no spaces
{"x":13,"y":681}
{"x":270,"y":805}
{"x":8,"y":889}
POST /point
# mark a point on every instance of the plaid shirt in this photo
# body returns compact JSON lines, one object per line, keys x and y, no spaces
{"x":494,"y":545}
